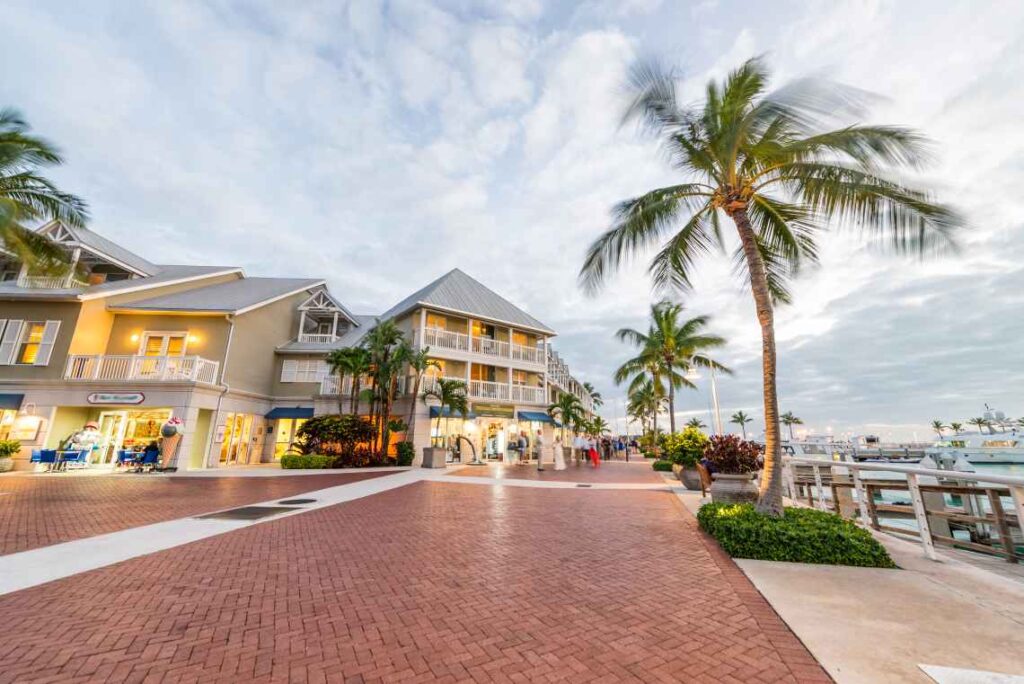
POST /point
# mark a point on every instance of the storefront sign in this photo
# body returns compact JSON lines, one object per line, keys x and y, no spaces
{"x":494,"y":410}
{"x":116,"y":398}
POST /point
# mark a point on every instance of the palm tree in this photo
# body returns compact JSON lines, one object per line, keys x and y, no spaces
{"x":419,"y":362}
{"x":338,"y":364}
{"x":979,"y":422}
{"x":768,"y":162}
{"x":956,"y":427}
{"x":740,"y":418}
{"x":382,"y":342}
{"x":598,"y":426}
{"x":451,"y":394}
{"x":27,"y":197}
{"x":938,"y":426}
{"x":696,"y":424}
{"x":642,"y":403}
{"x":595,"y":396}
{"x":789,"y":420}
{"x":671,"y":345}
{"x":358,"y":366}
{"x":567,"y":410}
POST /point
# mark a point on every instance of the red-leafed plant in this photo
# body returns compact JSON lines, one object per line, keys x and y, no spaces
{"x":730,"y":455}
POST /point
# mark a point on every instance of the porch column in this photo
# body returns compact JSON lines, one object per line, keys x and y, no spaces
{"x":510,"y":342}
{"x":469,"y":333}
{"x":510,"y":396}
{"x":335,"y":332}
{"x":423,"y":327}
{"x":302,"y":323}
{"x":545,"y":377}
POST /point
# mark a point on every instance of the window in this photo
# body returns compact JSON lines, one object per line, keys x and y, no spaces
{"x":163,"y":344}
{"x":483,"y":330}
{"x":520,"y":338}
{"x":31,"y":338}
{"x":482,"y":373}
{"x":304,"y":370}
{"x":519,"y":377}
{"x":437,"y":321}
{"x":27,"y":343}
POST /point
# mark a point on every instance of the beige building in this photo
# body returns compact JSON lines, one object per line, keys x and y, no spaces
{"x":127,"y":344}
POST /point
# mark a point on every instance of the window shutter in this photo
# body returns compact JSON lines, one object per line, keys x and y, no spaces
{"x":9,"y":342}
{"x":46,"y":345}
{"x":288,"y":370}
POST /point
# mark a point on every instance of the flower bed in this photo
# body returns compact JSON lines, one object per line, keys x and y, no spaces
{"x":802,"y":535}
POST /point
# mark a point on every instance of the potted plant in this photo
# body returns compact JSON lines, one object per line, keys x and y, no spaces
{"x":685,"y":450}
{"x":734,"y":464}
{"x":9,"y":448}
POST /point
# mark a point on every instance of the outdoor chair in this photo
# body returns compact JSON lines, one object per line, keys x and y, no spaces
{"x":149,"y":461}
{"x":37,"y":456}
{"x":78,"y":459}
{"x":125,"y":457}
{"x":48,"y":457}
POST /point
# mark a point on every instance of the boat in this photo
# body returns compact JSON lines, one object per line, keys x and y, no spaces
{"x":1002,"y":444}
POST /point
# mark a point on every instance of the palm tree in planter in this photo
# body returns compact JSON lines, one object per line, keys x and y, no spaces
{"x":789,"y":420}
{"x":939,"y":427}
{"x":696,"y":424}
{"x":771,"y":163}
{"x":957,"y":428}
{"x":27,"y":197}
{"x":979,"y":423}
{"x":740,"y":418}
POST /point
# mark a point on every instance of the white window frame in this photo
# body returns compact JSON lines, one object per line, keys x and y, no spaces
{"x":304,"y":370}
{"x":167,"y":335}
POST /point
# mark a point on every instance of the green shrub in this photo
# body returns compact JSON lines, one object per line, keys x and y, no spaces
{"x":664,"y":466}
{"x":301,"y":461}
{"x":406,"y":452}
{"x":685,"y":448}
{"x":345,"y":438}
{"x":802,"y":535}
{"x":9,"y":448}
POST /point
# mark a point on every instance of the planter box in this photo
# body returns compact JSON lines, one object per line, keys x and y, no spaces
{"x":6,"y":465}
{"x":726,"y":488}
{"x":434,"y":457}
{"x":690,"y":479}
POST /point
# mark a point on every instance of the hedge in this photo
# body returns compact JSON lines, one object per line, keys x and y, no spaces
{"x":297,"y":461}
{"x":802,"y":535}
{"x":665,"y":466}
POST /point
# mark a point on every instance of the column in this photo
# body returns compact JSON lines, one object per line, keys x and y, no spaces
{"x":510,"y":383}
{"x":335,"y":329}
{"x":469,"y":335}
{"x":510,"y":343}
{"x":302,"y":324}
{"x":423,"y":327}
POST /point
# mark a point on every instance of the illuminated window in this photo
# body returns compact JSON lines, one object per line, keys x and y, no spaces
{"x":31,"y":338}
{"x":163,"y":344}
{"x":437,"y":321}
{"x":519,"y":377}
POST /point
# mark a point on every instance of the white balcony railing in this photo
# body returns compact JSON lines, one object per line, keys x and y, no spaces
{"x":528,"y":354}
{"x":489,"y":347}
{"x":494,"y":391}
{"x":436,"y":338}
{"x":49,"y":282}
{"x":521,"y":394}
{"x":139,"y":368}
{"x":317,"y":338}
{"x":445,"y":339}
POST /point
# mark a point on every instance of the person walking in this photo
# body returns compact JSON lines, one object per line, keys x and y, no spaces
{"x":595,"y":458}
{"x":538,"y":448}
{"x":559,"y":454}
{"x":579,"y":449}
{"x":524,"y":447}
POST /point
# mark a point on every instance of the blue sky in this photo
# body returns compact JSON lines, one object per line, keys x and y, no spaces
{"x":381,"y":144}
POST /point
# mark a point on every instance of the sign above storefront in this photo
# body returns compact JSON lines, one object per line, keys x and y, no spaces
{"x":494,"y":410}
{"x":116,"y":398}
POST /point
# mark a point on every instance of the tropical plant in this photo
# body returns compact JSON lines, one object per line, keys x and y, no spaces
{"x":419,"y":362}
{"x":568,"y":410}
{"x":346,"y":438}
{"x":731,"y":455}
{"x":27,"y":197}
{"x":406,"y":453}
{"x":9,"y":448}
{"x":773,"y":164}
{"x":740,"y":418}
{"x":938,"y":426}
{"x":685,"y":448}
{"x":956,"y":427}
{"x":451,"y":394}
{"x":980,"y":423}
{"x":789,"y":420}
{"x":387,"y":351}
{"x":695,"y":423}
{"x":595,"y":396}
{"x":670,"y":348}
{"x":598,"y":426}
{"x":643,"y":404}
{"x":358,"y":367}
{"x":338,"y":364}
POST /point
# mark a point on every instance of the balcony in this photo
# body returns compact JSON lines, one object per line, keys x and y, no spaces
{"x":467,"y":346}
{"x":318,"y":338}
{"x":107,"y":368}
{"x":49,"y":282}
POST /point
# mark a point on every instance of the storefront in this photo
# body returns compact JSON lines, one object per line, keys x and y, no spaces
{"x":286,"y":424}
{"x":119,"y":428}
{"x":239,"y":438}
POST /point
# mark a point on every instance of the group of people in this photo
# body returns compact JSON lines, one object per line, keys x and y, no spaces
{"x":524,"y":447}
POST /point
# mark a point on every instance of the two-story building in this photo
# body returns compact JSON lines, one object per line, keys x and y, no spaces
{"x":126,"y":344}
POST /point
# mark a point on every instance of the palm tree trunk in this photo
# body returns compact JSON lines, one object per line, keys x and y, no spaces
{"x":671,"y":409}
{"x":744,"y":428}
{"x":355,"y":395}
{"x":412,"y":404}
{"x":770,"y":499}
{"x":341,"y":394}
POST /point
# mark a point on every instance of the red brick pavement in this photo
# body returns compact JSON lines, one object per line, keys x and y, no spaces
{"x":42,"y":510}
{"x":430,"y":582}
{"x":609,"y":472}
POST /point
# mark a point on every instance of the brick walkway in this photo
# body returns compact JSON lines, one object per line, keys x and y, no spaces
{"x":42,"y":510}
{"x":430,"y":582}
{"x":610,"y":471}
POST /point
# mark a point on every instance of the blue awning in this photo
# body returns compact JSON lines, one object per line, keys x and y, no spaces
{"x":536,"y":417}
{"x":11,"y":401}
{"x":435,"y":411}
{"x":289,"y":412}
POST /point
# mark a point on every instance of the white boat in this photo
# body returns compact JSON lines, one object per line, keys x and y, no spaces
{"x":1000,"y":442}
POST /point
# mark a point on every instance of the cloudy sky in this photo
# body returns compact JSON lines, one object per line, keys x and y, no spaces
{"x":379,"y":144}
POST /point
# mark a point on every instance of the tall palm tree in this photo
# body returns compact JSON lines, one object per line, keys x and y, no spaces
{"x":419,"y":362}
{"x":642,"y":404}
{"x":568,"y":410}
{"x":767,"y":161}
{"x":598,"y":426}
{"x":740,"y":418}
{"x":789,"y":420}
{"x":956,"y":427}
{"x":672,"y":345}
{"x":938,"y":426}
{"x":595,"y":396}
{"x":696,"y":424}
{"x":338,"y":362}
{"x":451,"y":394}
{"x":358,"y":367}
{"x":27,"y":197}
{"x":979,"y":423}
{"x":382,"y":342}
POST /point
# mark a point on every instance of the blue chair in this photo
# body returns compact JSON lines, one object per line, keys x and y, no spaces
{"x":77,"y":458}
{"x":125,"y":457}
{"x":48,"y":457}
{"x":37,"y":456}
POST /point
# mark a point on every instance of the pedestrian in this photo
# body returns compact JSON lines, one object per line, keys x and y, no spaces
{"x":579,"y":448}
{"x":538,"y":447}
{"x":595,"y":459}
{"x":559,"y":454}
{"x":524,"y":446}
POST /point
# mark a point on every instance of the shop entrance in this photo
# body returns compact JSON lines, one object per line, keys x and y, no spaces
{"x":285,"y":434}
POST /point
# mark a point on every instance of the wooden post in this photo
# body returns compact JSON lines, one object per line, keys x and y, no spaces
{"x":302,"y":324}
{"x":872,"y":511}
{"x":819,"y":490}
{"x":423,"y":327}
{"x":1002,"y":526}
{"x":922,"y":517}
{"x":862,"y":496}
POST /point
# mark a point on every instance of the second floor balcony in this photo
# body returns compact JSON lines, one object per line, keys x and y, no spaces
{"x":124,"y":368}
{"x":464,"y":344}
{"x":481,"y":390}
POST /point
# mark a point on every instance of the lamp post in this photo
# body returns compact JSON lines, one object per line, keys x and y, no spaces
{"x":692,"y":375}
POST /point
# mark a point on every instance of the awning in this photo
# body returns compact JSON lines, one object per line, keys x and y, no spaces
{"x":289,"y":412}
{"x":435,"y":411}
{"x":11,"y":401}
{"x":536,"y":417}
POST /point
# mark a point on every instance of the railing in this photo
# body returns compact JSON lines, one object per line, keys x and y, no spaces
{"x":980,"y":511}
{"x":445,"y":339}
{"x":495,"y":391}
{"x":436,"y":338}
{"x":528,"y":354}
{"x":489,"y":347}
{"x":49,"y":282}
{"x":317,"y":338}
{"x":134,"y":368}
{"x":528,"y":395}
{"x":330,"y":386}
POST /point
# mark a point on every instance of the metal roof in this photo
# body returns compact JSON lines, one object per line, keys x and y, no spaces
{"x":459,"y":293}
{"x":235,"y":296}
{"x":97,"y":242}
{"x":351,"y":338}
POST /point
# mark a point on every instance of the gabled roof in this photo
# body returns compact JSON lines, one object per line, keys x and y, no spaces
{"x":166,"y":275}
{"x":459,"y":293}
{"x":355,"y":334}
{"x":322,"y":300}
{"x":98,"y":245}
{"x":233,"y":297}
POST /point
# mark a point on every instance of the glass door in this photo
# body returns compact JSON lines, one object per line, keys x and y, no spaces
{"x":112,"y":427}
